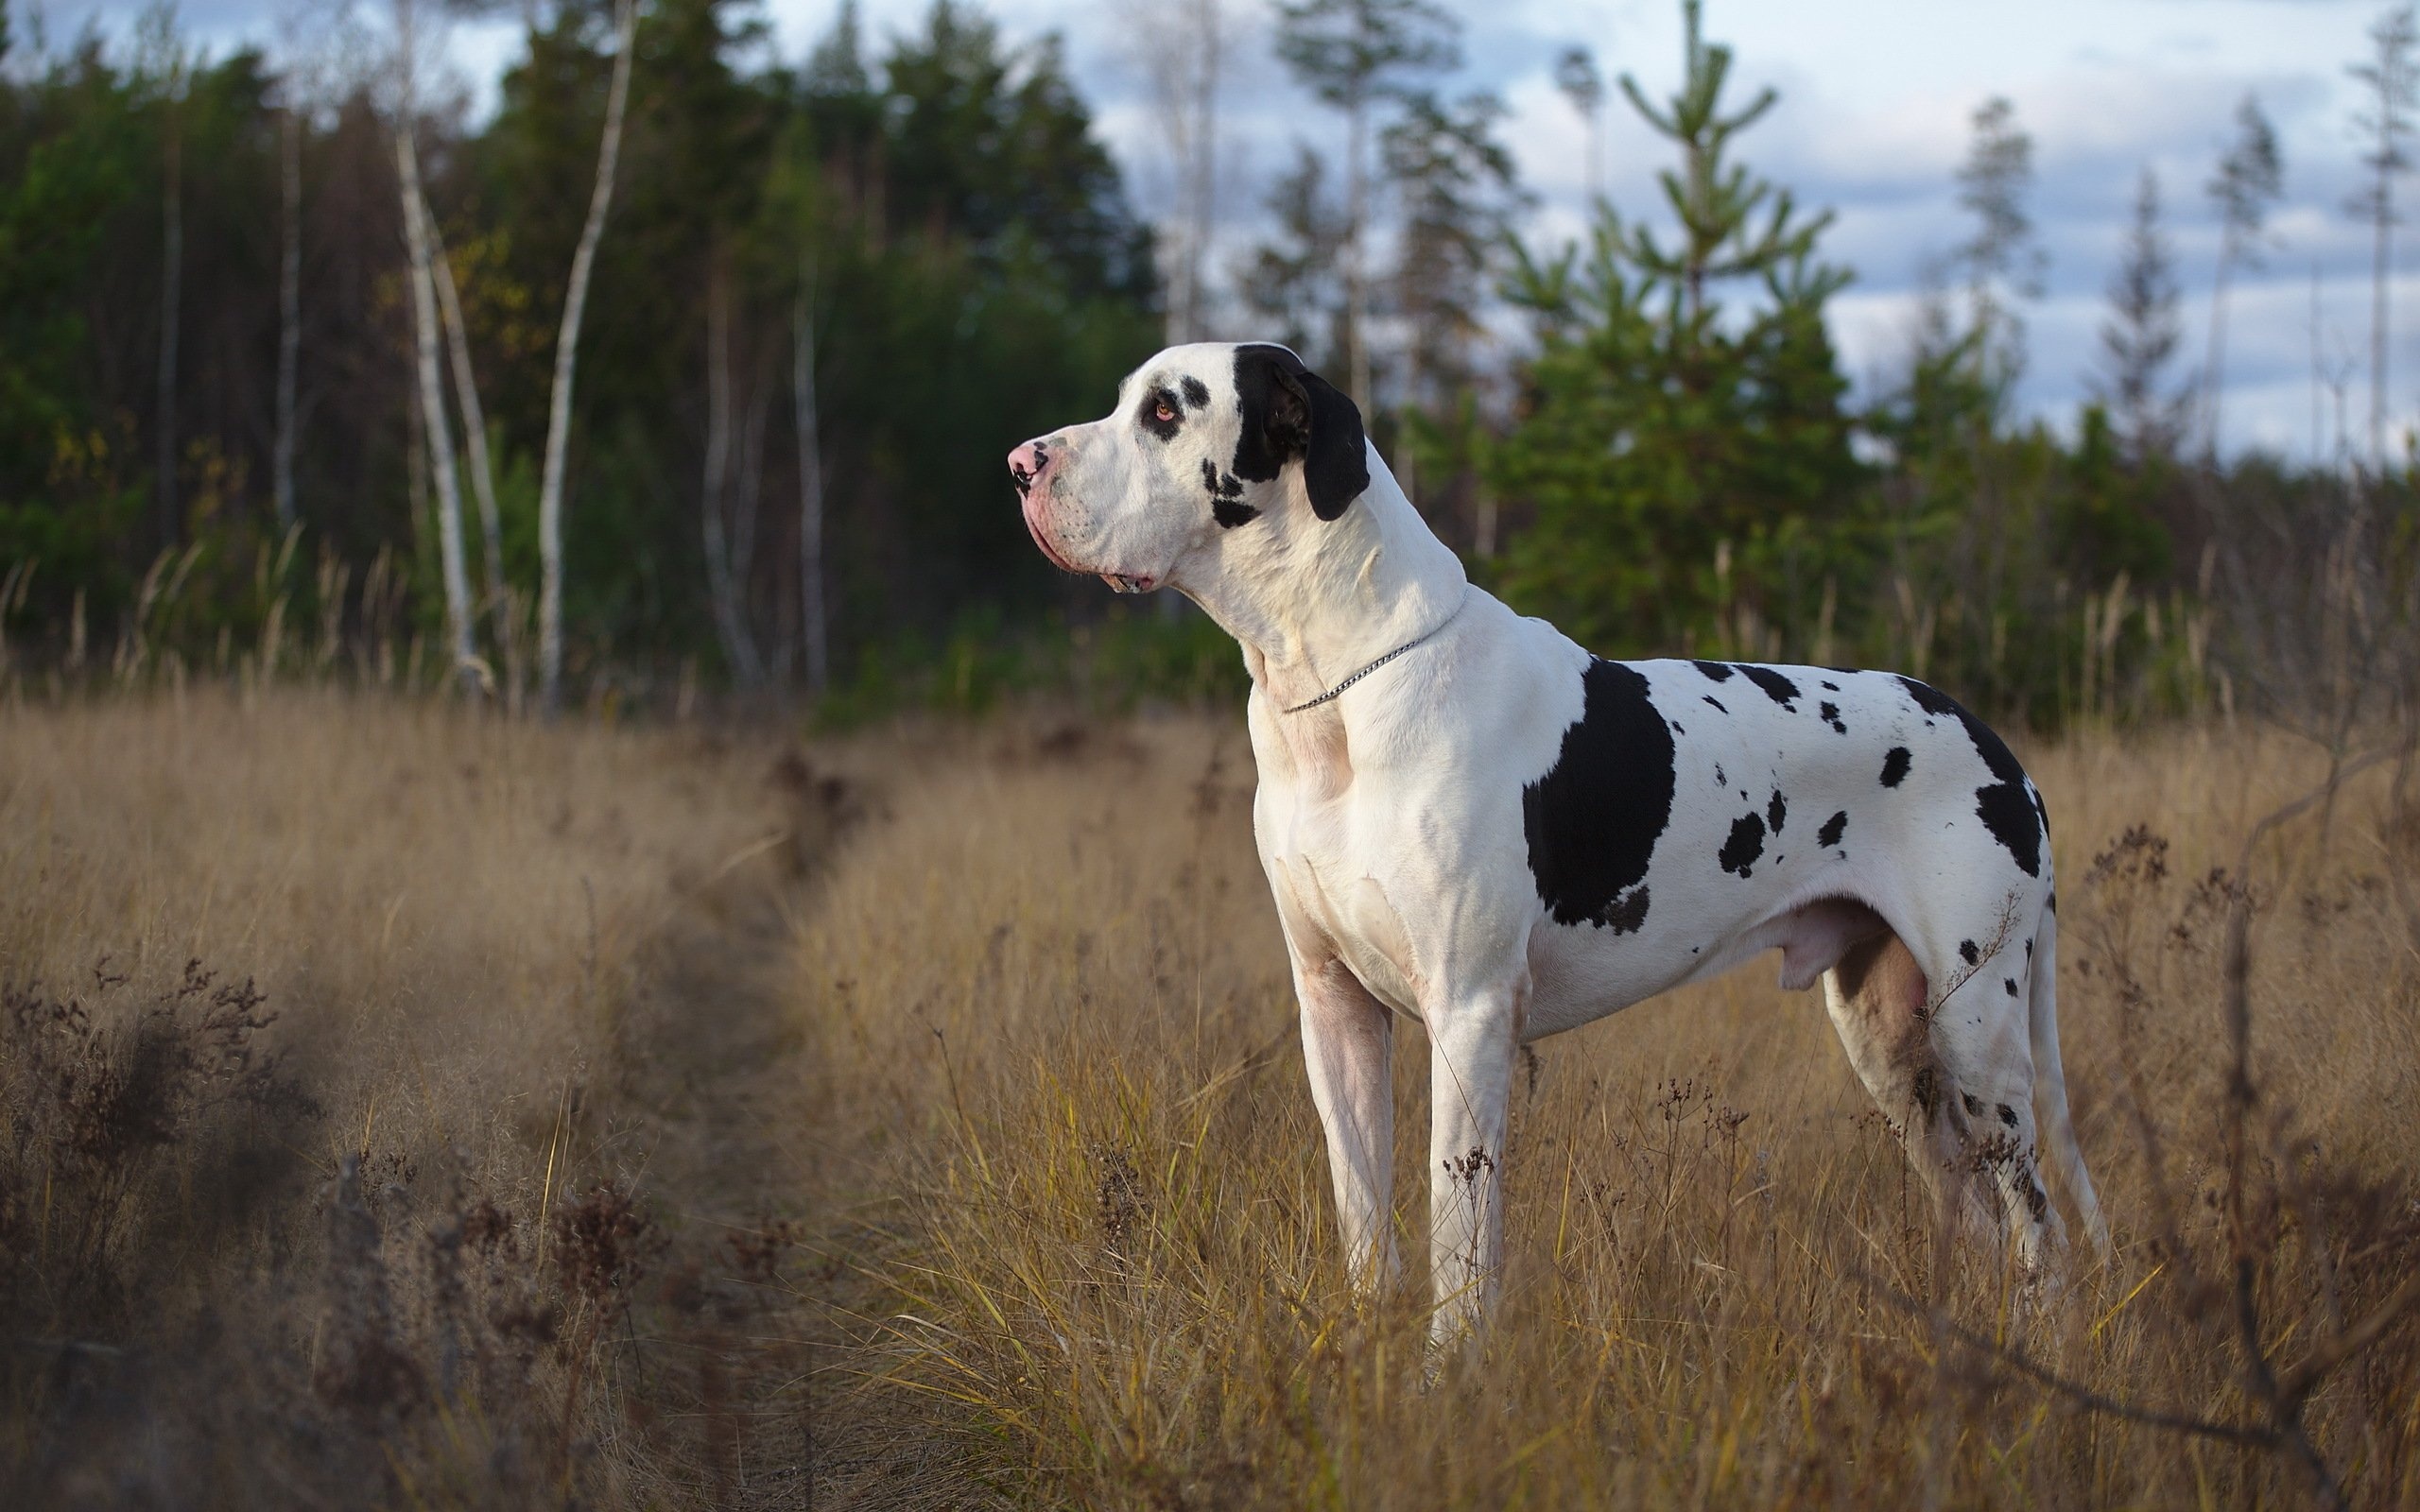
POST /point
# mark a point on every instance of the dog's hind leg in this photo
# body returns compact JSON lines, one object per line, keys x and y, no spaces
{"x":2051,"y":1081}
{"x":1877,"y":996}
{"x":1981,"y":1031}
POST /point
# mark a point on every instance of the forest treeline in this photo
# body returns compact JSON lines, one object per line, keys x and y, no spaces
{"x":251,"y":417}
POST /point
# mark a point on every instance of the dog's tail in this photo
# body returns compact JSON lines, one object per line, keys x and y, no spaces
{"x":2050,"y":1082}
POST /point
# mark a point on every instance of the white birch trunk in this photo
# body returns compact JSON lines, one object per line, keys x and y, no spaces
{"x":813,"y":631}
{"x":289,"y":314}
{"x":723,"y":590}
{"x":497,"y":601}
{"x":1357,"y":277}
{"x":432,"y":400}
{"x":172,"y":237}
{"x":584,"y":261}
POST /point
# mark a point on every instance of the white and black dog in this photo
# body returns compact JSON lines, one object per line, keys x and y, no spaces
{"x":1466,"y":817}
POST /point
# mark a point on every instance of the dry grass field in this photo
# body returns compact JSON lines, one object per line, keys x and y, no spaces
{"x":672,"y":1118}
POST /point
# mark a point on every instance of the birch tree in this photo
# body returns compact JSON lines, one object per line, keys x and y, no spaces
{"x":1182,"y":47}
{"x":164,"y":60}
{"x":289,"y":306}
{"x":432,"y":389}
{"x":497,"y":601}
{"x":1357,"y":57}
{"x":814,"y":620}
{"x":726,"y":570}
{"x":1575,"y":74}
{"x":584,"y":261}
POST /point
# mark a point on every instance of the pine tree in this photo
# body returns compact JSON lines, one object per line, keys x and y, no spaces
{"x":2250,"y":178}
{"x":2003,"y":261}
{"x":2139,"y":339}
{"x":1681,"y":460}
{"x":2391,"y":77}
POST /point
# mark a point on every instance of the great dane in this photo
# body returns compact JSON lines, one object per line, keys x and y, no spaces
{"x":1466,"y":817}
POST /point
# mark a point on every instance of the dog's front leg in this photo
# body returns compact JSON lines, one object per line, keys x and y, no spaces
{"x":1471,"y":1047}
{"x":1348,"y":1044}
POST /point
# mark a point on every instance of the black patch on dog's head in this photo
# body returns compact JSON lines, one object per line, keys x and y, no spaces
{"x":1829,"y":835}
{"x":1896,"y":762}
{"x":1226,"y":497}
{"x":1593,"y":819}
{"x":1290,"y":412}
{"x":2007,"y":807}
{"x":1779,"y":688}
{"x":1747,"y":842}
{"x":1196,"y":393}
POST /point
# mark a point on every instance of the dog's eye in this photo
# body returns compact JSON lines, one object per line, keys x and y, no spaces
{"x":1164,"y":413}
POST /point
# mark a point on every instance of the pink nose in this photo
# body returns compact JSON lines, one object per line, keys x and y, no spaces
{"x":1028,"y":463}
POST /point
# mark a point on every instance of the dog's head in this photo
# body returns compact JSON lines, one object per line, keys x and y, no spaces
{"x":1206,"y":444}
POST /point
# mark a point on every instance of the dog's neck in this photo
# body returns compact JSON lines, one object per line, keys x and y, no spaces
{"x":1313,"y":601}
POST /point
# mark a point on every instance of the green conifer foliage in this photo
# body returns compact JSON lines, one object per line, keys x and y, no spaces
{"x":1684,"y":462}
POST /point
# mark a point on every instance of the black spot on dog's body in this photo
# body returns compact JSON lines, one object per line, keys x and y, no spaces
{"x":2051,"y":902}
{"x":1831,"y":687}
{"x":1967,"y":952}
{"x":1927,"y":1089}
{"x":1974,"y":1108}
{"x":1721,"y":781}
{"x":2008,"y":806}
{"x":1747,"y":842}
{"x":1776,"y":811}
{"x":2008,"y":1115}
{"x":1779,"y":688}
{"x":1829,"y":835}
{"x":1896,"y":762}
{"x":1627,"y":914}
{"x":1830,"y":714}
{"x":1196,"y":393}
{"x":1593,"y":819}
{"x":1717,"y":702}
{"x":1149,"y":414}
{"x":1719,"y":671}
{"x":2010,"y":983}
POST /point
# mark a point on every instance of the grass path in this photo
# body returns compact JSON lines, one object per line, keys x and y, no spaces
{"x":748,"y":1359}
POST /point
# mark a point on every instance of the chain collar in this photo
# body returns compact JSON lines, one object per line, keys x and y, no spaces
{"x":1338,"y":691}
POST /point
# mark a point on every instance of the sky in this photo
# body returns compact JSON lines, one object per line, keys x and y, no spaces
{"x":1875,"y":102}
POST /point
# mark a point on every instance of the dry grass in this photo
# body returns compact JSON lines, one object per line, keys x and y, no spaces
{"x":324,"y":1077}
{"x":561,"y":1116}
{"x":1050,"y":997}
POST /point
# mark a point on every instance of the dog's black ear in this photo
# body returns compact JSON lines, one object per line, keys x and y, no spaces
{"x":1290,"y":412}
{"x":1336,"y":468}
